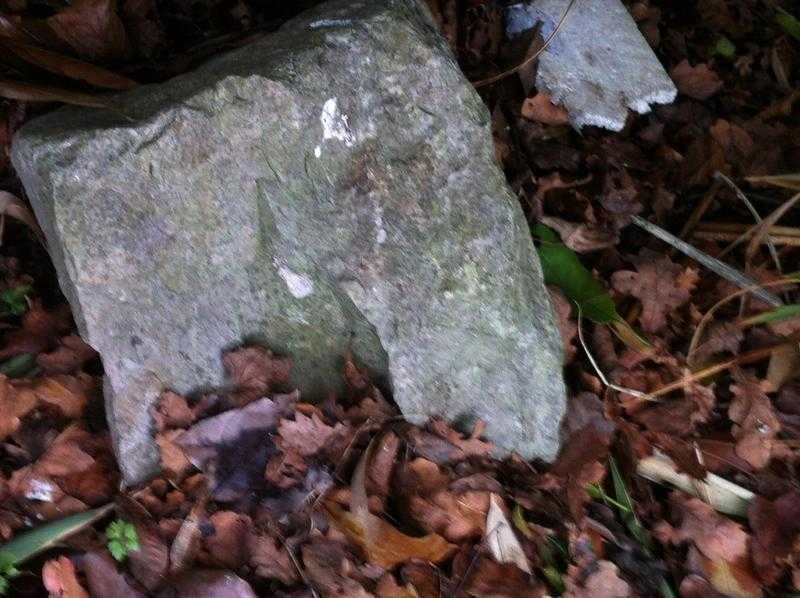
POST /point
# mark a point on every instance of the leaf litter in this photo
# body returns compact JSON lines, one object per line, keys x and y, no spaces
{"x":263,"y":494}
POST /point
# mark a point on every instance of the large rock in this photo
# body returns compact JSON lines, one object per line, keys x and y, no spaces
{"x":329,"y":188}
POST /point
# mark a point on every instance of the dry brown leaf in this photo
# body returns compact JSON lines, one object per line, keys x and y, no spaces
{"x":540,"y":108}
{"x":150,"y":563}
{"x":13,"y":406}
{"x":13,"y":207}
{"x":270,"y":560}
{"x":227,"y":545}
{"x":755,"y":423}
{"x":60,"y":579}
{"x":659,"y":283}
{"x":255,"y":372}
{"x":92,"y":28}
{"x":309,"y":435}
{"x":566,"y":325}
{"x":68,"y":357}
{"x":383,"y":544}
{"x":69,"y":67}
{"x":604,"y":582}
{"x":31,"y":92}
{"x":698,"y":82}
{"x":776,"y":527}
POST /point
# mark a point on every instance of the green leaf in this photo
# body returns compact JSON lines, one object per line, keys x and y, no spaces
{"x":37,"y":540}
{"x":562,"y":268}
{"x":724,"y":47}
{"x":788,"y":23}
{"x":18,"y":366}
{"x":784,"y":312}
{"x":122,"y":539}
{"x":15,"y":300}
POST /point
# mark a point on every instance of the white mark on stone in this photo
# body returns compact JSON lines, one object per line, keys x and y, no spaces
{"x":334,"y":123}
{"x":330,"y":23}
{"x":381,"y":235}
{"x":40,"y":490}
{"x":299,"y":286}
{"x":317,"y":151}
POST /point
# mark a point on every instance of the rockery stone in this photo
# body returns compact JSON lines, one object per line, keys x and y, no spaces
{"x":328,"y":188}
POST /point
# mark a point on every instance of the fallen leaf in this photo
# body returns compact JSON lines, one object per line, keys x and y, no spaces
{"x":500,"y":538}
{"x":755,"y":423}
{"x":776,"y":527}
{"x":540,"y":108}
{"x":722,"y":545}
{"x":270,"y":560}
{"x":13,"y":407}
{"x":604,"y":582}
{"x":68,"y":357}
{"x":104,"y":579}
{"x":92,"y":28}
{"x":470,"y":446}
{"x":149,"y":564}
{"x":31,"y":92}
{"x":382,"y":543}
{"x":227,"y":545}
{"x":480,"y":576}
{"x":172,"y":411}
{"x":255,"y":372}
{"x":187,"y":541}
{"x":212,"y":583}
{"x":69,"y":67}
{"x":13,"y":207}
{"x":60,"y":580}
{"x":232,"y":448}
{"x":309,"y":435}
{"x":566,"y":326}
{"x":39,"y":330}
{"x":698,"y":82}
{"x":328,"y":564}
{"x":659,"y":283}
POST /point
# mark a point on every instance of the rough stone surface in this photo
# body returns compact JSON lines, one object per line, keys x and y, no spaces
{"x":331,"y":187}
{"x":598,"y":65}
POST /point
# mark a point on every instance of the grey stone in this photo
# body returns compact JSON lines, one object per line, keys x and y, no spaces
{"x":331,"y":187}
{"x":598,"y":65}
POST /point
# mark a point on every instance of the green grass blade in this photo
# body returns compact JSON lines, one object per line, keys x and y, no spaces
{"x":37,"y":540}
{"x":784,"y":312}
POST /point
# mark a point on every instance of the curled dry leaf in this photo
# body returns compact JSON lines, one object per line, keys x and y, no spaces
{"x":60,"y":579}
{"x":501,"y":539}
{"x":150,"y":563}
{"x":540,"y":108}
{"x":13,"y":207}
{"x":212,"y":583}
{"x":698,"y":82}
{"x":566,"y":326}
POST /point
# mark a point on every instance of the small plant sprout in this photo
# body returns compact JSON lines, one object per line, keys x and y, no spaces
{"x":122,"y":539}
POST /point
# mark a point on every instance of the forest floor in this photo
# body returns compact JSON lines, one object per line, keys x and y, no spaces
{"x":679,"y":471}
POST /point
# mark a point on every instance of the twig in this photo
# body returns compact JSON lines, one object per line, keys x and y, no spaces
{"x":722,"y":269}
{"x":532,"y":57}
